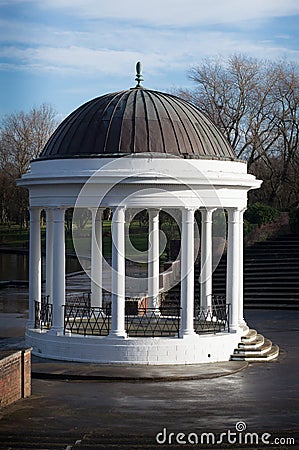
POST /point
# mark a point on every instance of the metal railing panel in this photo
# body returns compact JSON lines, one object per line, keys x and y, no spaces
{"x":153,"y":322}
{"x":94,"y":321}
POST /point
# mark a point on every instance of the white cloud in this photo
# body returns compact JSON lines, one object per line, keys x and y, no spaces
{"x":177,"y":12}
{"x":113,"y":46}
{"x":72,"y":60}
{"x":101,"y":41}
{"x":164,"y":51}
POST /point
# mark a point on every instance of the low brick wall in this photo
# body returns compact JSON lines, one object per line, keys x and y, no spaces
{"x":15,"y":376}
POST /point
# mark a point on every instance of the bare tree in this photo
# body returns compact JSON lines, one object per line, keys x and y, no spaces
{"x":255,"y":104}
{"x":22,"y":138}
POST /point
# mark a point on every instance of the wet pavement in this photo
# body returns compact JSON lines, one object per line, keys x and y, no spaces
{"x":264,"y":396}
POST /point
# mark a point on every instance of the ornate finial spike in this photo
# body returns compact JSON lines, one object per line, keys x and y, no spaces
{"x":138,"y":74}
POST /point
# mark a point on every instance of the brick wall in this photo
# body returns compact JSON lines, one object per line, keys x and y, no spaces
{"x":15,"y":376}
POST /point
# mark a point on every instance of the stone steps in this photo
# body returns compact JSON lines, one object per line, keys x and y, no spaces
{"x":256,"y":341}
{"x":255,"y":348}
{"x":271,"y":271}
{"x":270,"y":279}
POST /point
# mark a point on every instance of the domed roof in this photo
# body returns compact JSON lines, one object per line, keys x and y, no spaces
{"x":137,"y":121}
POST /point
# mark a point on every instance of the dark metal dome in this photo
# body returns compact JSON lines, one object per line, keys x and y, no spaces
{"x":137,"y":121}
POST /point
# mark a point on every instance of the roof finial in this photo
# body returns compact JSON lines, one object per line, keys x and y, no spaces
{"x":138,"y":75}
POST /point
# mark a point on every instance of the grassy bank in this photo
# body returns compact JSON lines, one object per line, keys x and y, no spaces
{"x":11,"y":236}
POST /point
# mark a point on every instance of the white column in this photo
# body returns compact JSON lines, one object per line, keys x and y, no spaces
{"x":49,"y":254}
{"x":241,"y":270}
{"x":96,"y":258}
{"x":58,"y":270}
{"x":34,"y":263}
{"x":233,"y":267}
{"x":153,"y":259}
{"x":187,"y":273}
{"x":118,"y":273}
{"x":206,"y":259}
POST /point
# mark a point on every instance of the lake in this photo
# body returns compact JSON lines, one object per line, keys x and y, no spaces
{"x":16,"y":266}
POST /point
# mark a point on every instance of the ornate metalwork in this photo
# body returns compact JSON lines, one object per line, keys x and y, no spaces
{"x":152,"y":323}
{"x":87,"y":320}
{"x":214,"y":319}
{"x":81,"y":318}
{"x":81,"y":301}
{"x":43,"y":313}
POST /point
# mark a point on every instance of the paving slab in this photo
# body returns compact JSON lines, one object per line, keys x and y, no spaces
{"x":50,"y":369}
{"x":128,"y":415}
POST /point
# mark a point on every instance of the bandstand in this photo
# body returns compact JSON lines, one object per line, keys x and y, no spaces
{"x":129,"y":151}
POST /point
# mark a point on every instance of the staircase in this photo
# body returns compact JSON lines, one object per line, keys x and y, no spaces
{"x":255,"y":348}
{"x":271,"y":274}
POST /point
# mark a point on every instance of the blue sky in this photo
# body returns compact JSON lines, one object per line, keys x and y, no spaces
{"x":65,"y":52}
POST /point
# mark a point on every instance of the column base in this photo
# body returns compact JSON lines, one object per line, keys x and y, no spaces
{"x":233,"y":328}
{"x":242,"y":323}
{"x":186,"y":333}
{"x":30,"y":325}
{"x":118,"y":334}
{"x":57,"y":331}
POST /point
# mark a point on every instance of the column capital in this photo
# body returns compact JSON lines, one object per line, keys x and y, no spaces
{"x":118,"y":208}
{"x":235,"y":208}
{"x":189,"y":208}
{"x":96,"y":213}
{"x":118,"y":214}
{"x":233,"y":215}
{"x":58,"y":213}
{"x":207,"y":213}
{"x":188,"y":214}
{"x":96,"y":209}
{"x":153,"y":212}
{"x":35,"y":212}
{"x":208,"y":208}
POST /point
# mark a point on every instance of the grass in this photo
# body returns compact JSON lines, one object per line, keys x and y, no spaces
{"x":13,"y":237}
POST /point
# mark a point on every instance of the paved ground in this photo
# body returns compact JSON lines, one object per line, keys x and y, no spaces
{"x":59,"y":370}
{"x":127,"y":415}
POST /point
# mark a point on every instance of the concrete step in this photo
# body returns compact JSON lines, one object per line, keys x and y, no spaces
{"x":270,"y":301}
{"x":278,"y":305}
{"x":255,"y":348}
{"x":257,"y":343}
{"x":274,"y":288}
{"x":272,"y":294}
{"x":250,"y":336}
{"x":269,"y":355}
{"x":249,"y":352}
{"x":292,"y":283}
{"x":265,"y":272}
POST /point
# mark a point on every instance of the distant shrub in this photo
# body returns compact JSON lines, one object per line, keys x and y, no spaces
{"x":294,"y":220}
{"x":248,"y":227}
{"x":259,"y":214}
